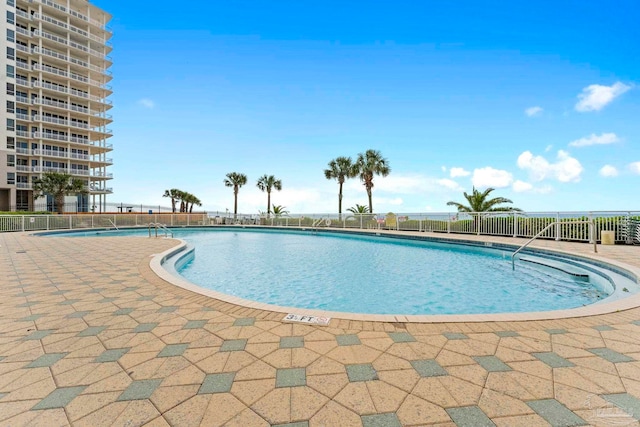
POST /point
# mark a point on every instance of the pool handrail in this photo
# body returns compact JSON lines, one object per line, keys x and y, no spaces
{"x":591,"y":233}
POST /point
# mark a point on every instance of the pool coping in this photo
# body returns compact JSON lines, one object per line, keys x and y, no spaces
{"x":633,"y":301}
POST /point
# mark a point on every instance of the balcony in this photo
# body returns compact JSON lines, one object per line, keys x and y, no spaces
{"x":24,"y":185}
{"x":64,"y":25}
{"x":62,"y":57}
{"x":73,"y":13}
{"x":70,"y":91}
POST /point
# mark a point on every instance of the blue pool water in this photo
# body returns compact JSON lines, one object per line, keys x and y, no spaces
{"x":368,"y":274}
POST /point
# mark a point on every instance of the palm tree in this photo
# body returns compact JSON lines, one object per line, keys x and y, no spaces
{"x":267,"y":183}
{"x":279,"y":210}
{"x":58,"y":185}
{"x":340,"y":169}
{"x":174,"y":195}
{"x":478,"y":202}
{"x":190,"y":200}
{"x":371,"y":163}
{"x":359,"y":209}
{"x":235,"y":180}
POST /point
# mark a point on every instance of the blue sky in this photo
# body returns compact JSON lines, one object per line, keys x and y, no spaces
{"x":539,"y":100}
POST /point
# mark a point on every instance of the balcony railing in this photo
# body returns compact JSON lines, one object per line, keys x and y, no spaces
{"x":73,"y":13}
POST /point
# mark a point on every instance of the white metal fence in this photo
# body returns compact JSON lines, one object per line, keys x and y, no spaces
{"x":516,"y":224}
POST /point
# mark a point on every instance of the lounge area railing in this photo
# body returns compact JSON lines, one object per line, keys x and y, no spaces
{"x":508,"y":224}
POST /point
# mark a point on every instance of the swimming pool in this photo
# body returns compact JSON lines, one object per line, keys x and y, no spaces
{"x":364,"y":273}
{"x":378,"y":275}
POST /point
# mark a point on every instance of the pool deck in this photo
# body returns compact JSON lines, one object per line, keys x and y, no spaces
{"x":91,"y":336}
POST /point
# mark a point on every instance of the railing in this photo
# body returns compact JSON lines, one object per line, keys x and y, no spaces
{"x":517,"y":225}
{"x":88,"y":220}
{"x":156,"y":226}
{"x":556,"y":223}
{"x":507,"y":224}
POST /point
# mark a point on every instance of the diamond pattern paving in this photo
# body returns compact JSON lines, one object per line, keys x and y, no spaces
{"x":555,"y":413}
{"x":139,"y":390}
{"x":46,"y":360}
{"x":217,"y":383}
{"x":248,"y":321}
{"x":233,"y":345}
{"x":173,"y":350}
{"x":628,"y":403}
{"x":59,"y":398}
{"x":492,"y":363}
{"x":362,"y":372}
{"x":469,"y":416}
{"x":553,"y":359}
{"x":291,"y":377}
{"x":348,"y":339}
{"x":145,"y":327}
{"x":610,"y":355}
{"x":180,"y":357}
{"x":112,"y":355}
{"x":428,"y":368}
{"x":381,"y":420}
{"x":291,"y":342}
{"x":194,"y":324}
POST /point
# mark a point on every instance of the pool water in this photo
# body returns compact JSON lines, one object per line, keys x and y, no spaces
{"x":378,"y":275}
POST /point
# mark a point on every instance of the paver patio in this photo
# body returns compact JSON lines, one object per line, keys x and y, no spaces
{"x":90,"y":336}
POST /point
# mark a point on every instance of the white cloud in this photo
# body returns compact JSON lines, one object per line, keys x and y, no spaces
{"x":608,"y":171}
{"x":548,"y":148}
{"x":147,"y":103}
{"x":593,"y":139}
{"x":635,"y":167}
{"x":533,"y":111}
{"x":566,"y":169}
{"x":521,"y":186}
{"x":490,"y":177}
{"x":596,"y":97}
{"x":525,"y":187}
{"x":458,"y":172}
{"x":450,"y":184}
{"x":444,"y":168}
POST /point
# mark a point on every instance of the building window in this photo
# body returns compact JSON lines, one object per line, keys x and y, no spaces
{"x":11,"y":125}
{"x":11,"y":2}
{"x":11,"y":53}
{"x":11,"y":89}
{"x":11,"y":71}
{"x":11,"y":17}
{"x":11,"y":107}
{"x":11,"y":143}
{"x":11,"y":35}
{"x":11,"y":178}
{"x":11,"y":160}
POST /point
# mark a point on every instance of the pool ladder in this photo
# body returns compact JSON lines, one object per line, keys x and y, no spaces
{"x":318,"y":222}
{"x":559,"y":223}
{"x":156,"y":226}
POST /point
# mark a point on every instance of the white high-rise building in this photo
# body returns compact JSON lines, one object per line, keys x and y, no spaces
{"x":54,"y":97}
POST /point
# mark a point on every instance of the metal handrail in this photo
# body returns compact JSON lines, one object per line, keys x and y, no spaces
{"x":114,"y":224}
{"x":158,"y":225}
{"x":591,"y":233}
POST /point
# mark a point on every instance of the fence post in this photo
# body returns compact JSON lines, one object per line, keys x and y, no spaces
{"x":515,"y":224}
{"x":448,"y":223}
{"x":70,"y":222}
{"x":558,"y":229}
{"x":92,"y":226}
{"x":592,"y":236}
{"x":188,"y":217}
{"x":115,"y":218}
{"x":48,"y":222}
{"x":23,"y":223}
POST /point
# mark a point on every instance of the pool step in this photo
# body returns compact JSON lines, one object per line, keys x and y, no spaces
{"x":574,"y":272}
